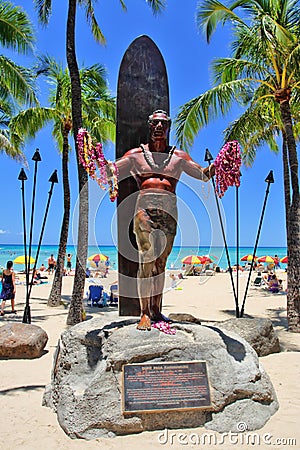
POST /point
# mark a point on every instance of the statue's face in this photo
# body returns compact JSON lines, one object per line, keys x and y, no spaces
{"x":159,"y":126}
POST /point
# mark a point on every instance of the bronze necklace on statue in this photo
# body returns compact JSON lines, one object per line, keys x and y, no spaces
{"x":150,"y":161}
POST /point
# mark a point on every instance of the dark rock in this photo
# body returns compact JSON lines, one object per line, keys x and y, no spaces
{"x":86,"y":386}
{"x":258,"y":332}
{"x":184,"y":317}
{"x":22,"y":341}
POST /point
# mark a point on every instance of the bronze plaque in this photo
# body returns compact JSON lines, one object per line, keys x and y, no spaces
{"x":165,"y":386}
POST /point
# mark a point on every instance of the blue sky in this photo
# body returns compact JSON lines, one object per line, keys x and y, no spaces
{"x":187,"y":57}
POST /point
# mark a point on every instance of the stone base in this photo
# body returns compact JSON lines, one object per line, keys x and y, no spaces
{"x":86,"y":387}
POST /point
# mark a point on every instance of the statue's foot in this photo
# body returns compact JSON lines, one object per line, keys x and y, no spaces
{"x":144,"y":324}
{"x":159,"y":317}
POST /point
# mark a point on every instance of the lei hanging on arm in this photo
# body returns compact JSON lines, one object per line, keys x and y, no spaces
{"x":227,"y":167}
{"x":92,"y":158}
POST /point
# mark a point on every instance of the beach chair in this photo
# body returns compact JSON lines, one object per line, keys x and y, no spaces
{"x":113,"y":299}
{"x":258,"y":281}
{"x":95,"y":295}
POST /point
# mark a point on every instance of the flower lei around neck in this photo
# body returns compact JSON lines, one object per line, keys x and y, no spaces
{"x":91,"y":157}
{"x":227,"y":167}
{"x":150,"y":161}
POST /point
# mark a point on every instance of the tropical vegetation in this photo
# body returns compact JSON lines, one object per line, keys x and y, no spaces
{"x":263,"y":77}
{"x":98,"y":116}
{"x":16,"y":82}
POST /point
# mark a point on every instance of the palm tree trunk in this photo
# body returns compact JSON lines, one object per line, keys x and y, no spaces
{"x":76,"y":306}
{"x":55,"y":294}
{"x":286,"y":181}
{"x":293,"y":229}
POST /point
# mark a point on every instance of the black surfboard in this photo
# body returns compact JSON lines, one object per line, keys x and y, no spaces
{"x":142,"y":88}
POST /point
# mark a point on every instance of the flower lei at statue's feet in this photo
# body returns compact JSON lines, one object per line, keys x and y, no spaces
{"x":160,"y":322}
{"x":92,"y":158}
{"x":227,"y":167}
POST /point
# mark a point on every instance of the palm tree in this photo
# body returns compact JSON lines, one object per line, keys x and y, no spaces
{"x":265,"y":54}
{"x":16,"y":82}
{"x":98,"y":115}
{"x":44,"y":11}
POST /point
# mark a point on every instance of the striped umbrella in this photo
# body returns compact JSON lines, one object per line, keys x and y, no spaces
{"x":192,"y":259}
{"x":266,"y":259}
{"x":248,"y":258}
{"x":97,"y":258}
{"x":284,"y":260}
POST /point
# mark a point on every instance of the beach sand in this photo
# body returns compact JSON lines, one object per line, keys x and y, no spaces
{"x":26,"y":424}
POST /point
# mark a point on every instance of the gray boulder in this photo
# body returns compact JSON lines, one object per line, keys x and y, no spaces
{"x":86,"y":385}
{"x":258,"y":332}
{"x":22,"y":341}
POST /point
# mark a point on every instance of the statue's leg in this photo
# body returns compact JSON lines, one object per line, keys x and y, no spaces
{"x":144,"y":240}
{"x":159,"y":279}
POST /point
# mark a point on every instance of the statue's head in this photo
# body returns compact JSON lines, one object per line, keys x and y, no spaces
{"x":159,"y":125}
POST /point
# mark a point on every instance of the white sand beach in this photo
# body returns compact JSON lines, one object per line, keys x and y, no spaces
{"x":26,"y":424}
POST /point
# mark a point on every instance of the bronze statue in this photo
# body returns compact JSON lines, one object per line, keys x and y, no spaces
{"x":156,"y":167}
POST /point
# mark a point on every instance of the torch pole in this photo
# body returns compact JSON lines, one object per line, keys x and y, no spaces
{"x":209,"y":158}
{"x":268,"y":180}
{"x":53,"y":179}
{"x":27,"y":316}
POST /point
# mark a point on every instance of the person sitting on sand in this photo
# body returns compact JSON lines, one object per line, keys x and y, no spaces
{"x":274,"y":285}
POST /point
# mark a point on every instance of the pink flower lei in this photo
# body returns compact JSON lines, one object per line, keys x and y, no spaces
{"x":92,"y":158}
{"x":164,"y":327}
{"x":227,"y":167}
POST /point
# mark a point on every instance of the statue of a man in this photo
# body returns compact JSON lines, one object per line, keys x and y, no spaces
{"x":156,"y":167}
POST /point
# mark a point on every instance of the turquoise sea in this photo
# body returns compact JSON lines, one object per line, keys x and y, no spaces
{"x":11,"y":251}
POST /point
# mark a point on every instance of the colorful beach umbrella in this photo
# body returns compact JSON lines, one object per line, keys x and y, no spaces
{"x":192,"y":259}
{"x":284,"y":260}
{"x":266,"y":259}
{"x":248,"y":258}
{"x":21,"y":260}
{"x":98,"y":257}
{"x":205,"y":259}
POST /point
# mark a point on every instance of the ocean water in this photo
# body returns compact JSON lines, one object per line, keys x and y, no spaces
{"x":11,"y":251}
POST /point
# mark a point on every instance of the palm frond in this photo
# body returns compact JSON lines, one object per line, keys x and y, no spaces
{"x":157,"y":6}
{"x":44,"y":10}
{"x":17,"y":81}
{"x":16,"y":28}
{"x":210,"y":13}
{"x":201,"y":110}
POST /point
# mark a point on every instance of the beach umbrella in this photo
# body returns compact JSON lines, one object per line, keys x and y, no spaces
{"x":266,"y":259}
{"x":248,"y":258}
{"x":205,"y":259}
{"x":284,"y":260}
{"x":192,"y":259}
{"x":22,"y":259}
{"x":98,"y":257}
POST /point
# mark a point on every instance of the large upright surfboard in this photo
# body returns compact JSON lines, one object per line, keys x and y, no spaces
{"x":142,"y":88}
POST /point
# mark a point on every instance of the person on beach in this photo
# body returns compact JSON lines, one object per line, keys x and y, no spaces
{"x":69,"y":262}
{"x":51,"y":264}
{"x":276,"y":262}
{"x":156,"y":167}
{"x":8,"y":287}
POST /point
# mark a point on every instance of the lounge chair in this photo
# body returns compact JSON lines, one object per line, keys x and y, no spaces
{"x":113,"y":299}
{"x":95,"y":295}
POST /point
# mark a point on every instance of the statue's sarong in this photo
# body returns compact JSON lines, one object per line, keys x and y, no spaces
{"x":155,"y":221}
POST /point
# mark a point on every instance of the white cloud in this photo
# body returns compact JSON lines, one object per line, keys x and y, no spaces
{"x":4,"y":231}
